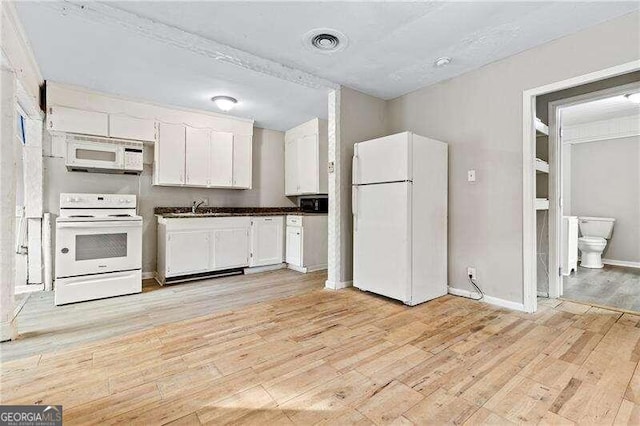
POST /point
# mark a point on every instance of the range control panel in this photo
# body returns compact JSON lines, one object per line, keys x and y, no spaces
{"x":78,"y":201}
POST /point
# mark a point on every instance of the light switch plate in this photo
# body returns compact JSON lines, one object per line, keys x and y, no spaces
{"x":471,"y":175}
{"x":331,"y":166}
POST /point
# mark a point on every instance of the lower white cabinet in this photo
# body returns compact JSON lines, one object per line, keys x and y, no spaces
{"x":267,"y":240}
{"x":231,"y":247}
{"x":307,"y":242}
{"x":187,"y":252}
{"x":190,"y":248}
{"x":294,"y":246}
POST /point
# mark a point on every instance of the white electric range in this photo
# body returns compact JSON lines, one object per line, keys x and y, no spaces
{"x":98,"y":247}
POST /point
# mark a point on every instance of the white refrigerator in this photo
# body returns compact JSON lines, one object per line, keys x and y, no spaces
{"x":399,"y":206}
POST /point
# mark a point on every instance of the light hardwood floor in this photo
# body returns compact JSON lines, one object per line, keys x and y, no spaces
{"x":345,"y":357}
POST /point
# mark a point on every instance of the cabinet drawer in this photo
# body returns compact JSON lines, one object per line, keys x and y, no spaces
{"x":294,"y":220}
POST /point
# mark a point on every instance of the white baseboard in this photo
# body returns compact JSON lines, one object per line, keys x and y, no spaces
{"x":488,"y":299}
{"x":7,"y":331}
{"x":621,"y":263}
{"x":258,"y":269}
{"x":332,"y":285}
{"x":297,"y":268}
{"x":29,"y":288}
{"x":543,"y":294}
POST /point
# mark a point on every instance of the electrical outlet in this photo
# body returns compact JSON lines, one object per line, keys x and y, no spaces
{"x":471,"y":272}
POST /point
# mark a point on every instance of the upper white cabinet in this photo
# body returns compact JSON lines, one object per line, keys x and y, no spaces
{"x":72,"y":120}
{"x":169,"y":155}
{"x":267,"y":240}
{"x":242,"y":161}
{"x":125,"y":127}
{"x":197,"y":157}
{"x":209,"y":158}
{"x":306,"y":159}
{"x":221,"y":159}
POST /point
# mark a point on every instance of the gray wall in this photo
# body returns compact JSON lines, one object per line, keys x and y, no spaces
{"x":267,"y":187}
{"x":362,"y":117}
{"x":480,"y":115}
{"x":605,"y":182}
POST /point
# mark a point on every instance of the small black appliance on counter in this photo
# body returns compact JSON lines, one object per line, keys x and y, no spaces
{"x":314,"y":205}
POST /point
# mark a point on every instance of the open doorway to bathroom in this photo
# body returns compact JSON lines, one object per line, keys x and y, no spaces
{"x":591,"y":228}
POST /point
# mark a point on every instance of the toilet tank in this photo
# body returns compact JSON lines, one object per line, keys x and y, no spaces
{"x":596,"y":226}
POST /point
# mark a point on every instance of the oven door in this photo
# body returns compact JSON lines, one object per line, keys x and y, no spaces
{"x":84,"y":248}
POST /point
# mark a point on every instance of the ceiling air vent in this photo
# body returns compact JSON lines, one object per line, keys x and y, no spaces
{"x":325,"y":40}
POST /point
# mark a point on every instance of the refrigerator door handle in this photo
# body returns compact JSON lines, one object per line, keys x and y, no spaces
{"x":354,"y":206}
{"x":354,"y":169}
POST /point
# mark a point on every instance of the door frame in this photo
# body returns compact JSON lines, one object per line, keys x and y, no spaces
{"x":557,"y":166}
{"x":529,"y":273}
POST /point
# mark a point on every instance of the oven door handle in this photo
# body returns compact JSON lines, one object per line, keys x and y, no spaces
{"x":88,"y":225}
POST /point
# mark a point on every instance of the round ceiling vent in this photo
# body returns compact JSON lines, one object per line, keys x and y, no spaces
{"x":325,"y":40}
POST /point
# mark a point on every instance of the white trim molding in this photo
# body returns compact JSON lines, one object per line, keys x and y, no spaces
{"x":332,"y":285}
{"x":626,"y":263}
{"x":107,"y":14}
{"x":488,"y":299}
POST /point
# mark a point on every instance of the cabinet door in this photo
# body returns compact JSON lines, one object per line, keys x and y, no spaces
{"x":294,"y":245}
{"x":307,"y":155}
{"x":74,"y":120}
{"x":221,"y":159}
{"x":267,"y":241}
{"x":291,"y":167}
{"x":170,"y":155}
{"x":124,"y":127}
{"x":231,"y":248}
{"x":188,"y":252}
{"x":197,"y":157}
{"x":242,"y":161}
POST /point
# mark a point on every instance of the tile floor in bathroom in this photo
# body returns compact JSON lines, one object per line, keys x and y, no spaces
{"x":614,"y":286}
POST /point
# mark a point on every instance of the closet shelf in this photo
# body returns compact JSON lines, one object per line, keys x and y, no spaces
{"x":542,"y":204}
{"x":541,"y":128}
{"x":542,"y":166}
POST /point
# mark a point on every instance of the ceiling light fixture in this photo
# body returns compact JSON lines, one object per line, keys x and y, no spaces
{"x":633,"y":97}
{"x":225,"y":103}
{"x":325,"y":40}
{"x":441,"y":62}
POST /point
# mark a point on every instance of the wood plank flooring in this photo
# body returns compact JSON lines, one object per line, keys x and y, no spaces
{"x":348,"y":357}
{"x":615,"y":286}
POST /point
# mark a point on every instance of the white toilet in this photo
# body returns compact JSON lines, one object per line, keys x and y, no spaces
{"x":595,"y":232}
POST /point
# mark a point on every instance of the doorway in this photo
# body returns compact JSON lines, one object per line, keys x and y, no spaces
{"x":588,"y":238}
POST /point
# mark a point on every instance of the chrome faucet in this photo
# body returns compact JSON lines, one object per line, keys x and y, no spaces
{"x":195,"y":205}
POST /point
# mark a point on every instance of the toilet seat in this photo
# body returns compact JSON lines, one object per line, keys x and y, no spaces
{"x":593,"y":240}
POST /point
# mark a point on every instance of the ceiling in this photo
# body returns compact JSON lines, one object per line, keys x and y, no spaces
{"x":602,"y":109}
{"x":390,"y":51}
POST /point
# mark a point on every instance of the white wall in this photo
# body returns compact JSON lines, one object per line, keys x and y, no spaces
{"x":605,"y":182}
{"x":480,"y":115}
{"x":268,"y":186}
{"x":362,"y":117}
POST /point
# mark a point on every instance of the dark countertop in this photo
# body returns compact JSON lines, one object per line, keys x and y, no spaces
{"x":179,"y":212}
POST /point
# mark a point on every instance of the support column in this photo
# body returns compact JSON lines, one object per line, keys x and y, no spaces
{"x":335,"y":263}
{"x":8,"y":146}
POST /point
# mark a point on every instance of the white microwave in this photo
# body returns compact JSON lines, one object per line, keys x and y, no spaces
{"x":103,"y":155}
